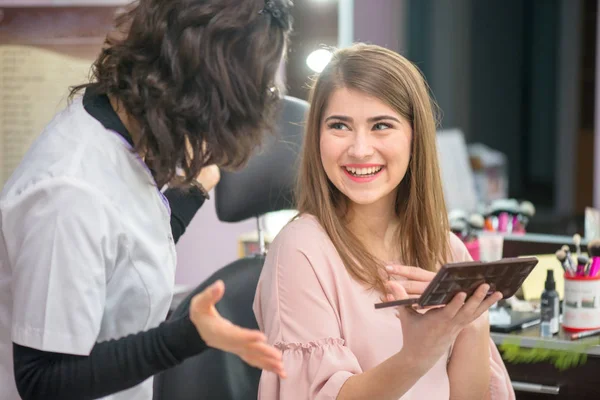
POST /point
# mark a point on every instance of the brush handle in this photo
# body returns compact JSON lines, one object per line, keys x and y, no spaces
{"x":571,"y":268}
{"x":595,"y":265}
{"x":488,"y":225}
{"x":580,"y":270}
{"x":517,"y":227}
{"x":579,"y":335}
{"x":395,"y":303}
{"x":567,"y":267}
{"x":519,"y":230}
{"x":494,"y":220}
{"x":502,"y":222}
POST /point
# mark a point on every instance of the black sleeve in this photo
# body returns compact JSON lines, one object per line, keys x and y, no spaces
{"x":184,"y":205}
{"x":111,"y":367}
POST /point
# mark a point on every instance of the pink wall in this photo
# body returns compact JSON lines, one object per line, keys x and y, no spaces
{"x":380,"y":22}
{"x":207,"y":245}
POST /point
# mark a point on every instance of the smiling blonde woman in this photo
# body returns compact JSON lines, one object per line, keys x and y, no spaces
{"x":372,"y":225}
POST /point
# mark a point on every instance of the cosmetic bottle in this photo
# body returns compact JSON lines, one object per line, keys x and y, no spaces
{"x":550,"y":307}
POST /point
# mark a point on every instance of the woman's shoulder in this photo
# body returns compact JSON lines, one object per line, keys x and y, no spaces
{"x":305,"y":236}
{"x":303,"y":228}
{"x":458,"y":249}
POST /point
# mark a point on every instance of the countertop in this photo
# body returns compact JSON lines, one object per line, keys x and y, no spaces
{"x":530,"y":338}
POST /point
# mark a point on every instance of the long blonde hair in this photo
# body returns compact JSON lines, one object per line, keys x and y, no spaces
{"x":422,"y":235}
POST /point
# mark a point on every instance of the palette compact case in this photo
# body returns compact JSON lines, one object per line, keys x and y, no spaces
{"x":505,"y":275}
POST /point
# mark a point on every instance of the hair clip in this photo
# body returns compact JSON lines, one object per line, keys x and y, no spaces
{"x":272,"y":9}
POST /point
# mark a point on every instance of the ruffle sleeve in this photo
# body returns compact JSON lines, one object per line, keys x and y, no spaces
{"x":316,"y":370}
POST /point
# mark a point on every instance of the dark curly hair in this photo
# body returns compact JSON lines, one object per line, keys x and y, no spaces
{"x":197,"y":75}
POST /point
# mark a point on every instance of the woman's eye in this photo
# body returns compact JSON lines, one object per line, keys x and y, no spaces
{"x":337,"y":126}
{"x":381,"y":126}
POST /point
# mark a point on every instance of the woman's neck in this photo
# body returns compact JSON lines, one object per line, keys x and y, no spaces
{"x":375,"y":225}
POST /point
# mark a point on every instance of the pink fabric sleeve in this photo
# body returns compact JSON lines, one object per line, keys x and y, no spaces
{"x":500,"y":384}
{"x":315,"y":370}
{"x":293,"y":306}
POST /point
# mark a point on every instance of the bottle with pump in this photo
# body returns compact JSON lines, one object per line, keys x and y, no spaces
{"x":550,"y":307}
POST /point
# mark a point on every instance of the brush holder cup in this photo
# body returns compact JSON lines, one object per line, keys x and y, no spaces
{"x":581,"y":303}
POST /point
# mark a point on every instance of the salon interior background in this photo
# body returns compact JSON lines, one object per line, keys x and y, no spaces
{"x":516,"y":75}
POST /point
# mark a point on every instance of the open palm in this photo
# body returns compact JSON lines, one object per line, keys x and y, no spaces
{"x":250,"y":345}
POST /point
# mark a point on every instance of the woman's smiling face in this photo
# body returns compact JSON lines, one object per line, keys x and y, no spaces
{"x":365,"y":147}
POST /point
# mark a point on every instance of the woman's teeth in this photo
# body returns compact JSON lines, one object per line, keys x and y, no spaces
{"x":363,"y":171}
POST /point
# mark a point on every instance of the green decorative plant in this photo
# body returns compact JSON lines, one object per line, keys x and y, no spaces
{"x":576,"y":355}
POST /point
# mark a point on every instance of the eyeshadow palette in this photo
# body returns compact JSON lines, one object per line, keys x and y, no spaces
{"x":505,"y":275}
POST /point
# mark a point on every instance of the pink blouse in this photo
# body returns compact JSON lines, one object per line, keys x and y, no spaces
{"x":326,"y":325}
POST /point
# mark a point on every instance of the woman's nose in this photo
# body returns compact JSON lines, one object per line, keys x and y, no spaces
{"x":361,"y":146}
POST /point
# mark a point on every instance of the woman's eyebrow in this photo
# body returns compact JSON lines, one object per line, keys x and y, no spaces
{"x":370,"y":120}
{"x":339,"y":117}
{"x":383,"y":117}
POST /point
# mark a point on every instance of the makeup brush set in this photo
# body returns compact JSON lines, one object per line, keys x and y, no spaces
{"x":508,"y":216}
{"x":464,"y":225}
{"x":578,"y":264}
{"x":581,"y":300}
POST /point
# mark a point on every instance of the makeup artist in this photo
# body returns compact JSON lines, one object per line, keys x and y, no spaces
{"x":87,"y":246}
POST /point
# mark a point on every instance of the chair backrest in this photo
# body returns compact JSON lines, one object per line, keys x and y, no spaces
{"x":214,"y":374}
{"x":265,"y":185}
{"x":267,"y":182}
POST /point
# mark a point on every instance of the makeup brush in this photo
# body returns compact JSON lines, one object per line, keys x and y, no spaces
{"x":562,"y":258}
{"x":577,"y":243}
{"x":594,"y":252}
{"x":487,"y":218}
{"x":526,"y":212}
{"x":459,"y":228}
{"x":504,"y":210}
{"x":569,"y":259}
{"x":456,"y":215}
{"x":476,"y":221}
{"x":527,"y":209}
{"x":582,"y":262}
{"x":475,"y":224}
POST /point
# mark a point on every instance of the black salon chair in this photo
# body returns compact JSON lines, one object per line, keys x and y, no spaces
{"x":264,"y":185}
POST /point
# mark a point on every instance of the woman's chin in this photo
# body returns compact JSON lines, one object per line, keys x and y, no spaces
{"x":371,"y":198}
{"x":362,"y":200}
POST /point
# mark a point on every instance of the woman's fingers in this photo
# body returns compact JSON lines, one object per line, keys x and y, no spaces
{"x":264,"y":356}
{"x":476,"y":304}
{"x":414,"y":287}
{"x":237,"y":335}
{"x":410,"y":273}
{"x":265,"y":350}
{"x":396,"y":290}
{"x":487,"y":303}
{"x":266,"y":364}
{"x":454,"y":306}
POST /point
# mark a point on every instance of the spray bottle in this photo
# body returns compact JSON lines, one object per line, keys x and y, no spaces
{"x":550,"y":307}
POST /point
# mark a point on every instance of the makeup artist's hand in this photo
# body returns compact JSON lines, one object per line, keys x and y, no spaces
{"x":428,"y":336}
{"x":217,"y":332}
{"x":209,"y":176}
{"x":413,"y":279}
